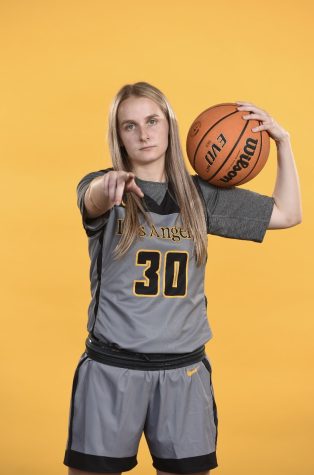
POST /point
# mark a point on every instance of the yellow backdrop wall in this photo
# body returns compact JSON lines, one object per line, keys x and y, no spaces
{"x":61,"y":64}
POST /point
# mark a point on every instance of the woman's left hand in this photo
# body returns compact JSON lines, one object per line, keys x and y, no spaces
{"x":275,"y":130}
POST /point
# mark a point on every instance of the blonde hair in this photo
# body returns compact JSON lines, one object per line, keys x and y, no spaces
{"x":192,"y":210}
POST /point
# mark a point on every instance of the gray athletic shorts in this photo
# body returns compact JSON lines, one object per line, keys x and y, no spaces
{"x":112,"y":405}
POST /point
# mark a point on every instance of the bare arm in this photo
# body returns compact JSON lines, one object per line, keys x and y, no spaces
{"x":287,"y":211}
{"x":107,"y":190}
{"x":94,"y":199}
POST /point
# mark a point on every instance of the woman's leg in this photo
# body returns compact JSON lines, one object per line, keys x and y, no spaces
{"x":167,"y":473}
{"x":75,"y":471}
{"x":184,"y":400}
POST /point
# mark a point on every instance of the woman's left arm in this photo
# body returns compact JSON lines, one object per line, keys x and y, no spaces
{"x":287,"y":210}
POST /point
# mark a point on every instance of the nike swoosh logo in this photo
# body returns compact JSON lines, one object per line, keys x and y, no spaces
{"x":189,"y":372}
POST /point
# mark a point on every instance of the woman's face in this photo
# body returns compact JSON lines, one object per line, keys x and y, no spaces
{"x":141,"y":123}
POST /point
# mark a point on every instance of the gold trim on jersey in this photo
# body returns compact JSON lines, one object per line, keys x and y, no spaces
{"x":175,"y":273}
{"x":180,"y":267}
{"x":149,"y":287}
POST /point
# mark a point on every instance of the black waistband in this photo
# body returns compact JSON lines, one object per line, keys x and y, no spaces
{"x":104,"y":353}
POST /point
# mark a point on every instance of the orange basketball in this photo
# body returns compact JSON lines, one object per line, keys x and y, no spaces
{"x":222,"y":148}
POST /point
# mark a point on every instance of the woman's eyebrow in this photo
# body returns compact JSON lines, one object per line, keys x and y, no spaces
{"x":147,"y":117}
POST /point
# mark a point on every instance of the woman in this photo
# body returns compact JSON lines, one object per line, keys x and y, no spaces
{"x":147,"y":221}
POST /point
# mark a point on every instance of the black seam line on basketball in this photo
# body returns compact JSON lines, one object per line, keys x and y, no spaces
{"x":74,"y":386}
{"x":231,"y":151}
{"x":215,"y":107}
{"x":99,"y":267}
{"x":259,"y":154}
{"x":222,"y":118}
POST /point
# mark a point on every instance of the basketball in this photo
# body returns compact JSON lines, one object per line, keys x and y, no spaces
{"x":222,"y":148}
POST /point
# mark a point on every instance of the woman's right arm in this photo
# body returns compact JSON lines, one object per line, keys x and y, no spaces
{"x":95,"y":200}
{"x":107,"y":190}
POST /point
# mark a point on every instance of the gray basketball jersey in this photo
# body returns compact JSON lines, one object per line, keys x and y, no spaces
{"x":152,"y":300}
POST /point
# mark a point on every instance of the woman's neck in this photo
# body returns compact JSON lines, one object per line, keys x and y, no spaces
{"x":152,"y":181}
{"x":151,"y":173}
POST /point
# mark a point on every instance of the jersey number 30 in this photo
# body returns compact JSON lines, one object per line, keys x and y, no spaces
{"x":175,"y":273}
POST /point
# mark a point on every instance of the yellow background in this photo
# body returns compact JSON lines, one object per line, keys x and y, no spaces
{"x":61,"y":64}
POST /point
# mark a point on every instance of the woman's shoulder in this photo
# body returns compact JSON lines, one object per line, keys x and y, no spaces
{"x":202,"y":185}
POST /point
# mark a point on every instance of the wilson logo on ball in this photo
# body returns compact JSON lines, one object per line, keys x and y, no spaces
{"x":222,"y":148}
{"x":243,"y":161}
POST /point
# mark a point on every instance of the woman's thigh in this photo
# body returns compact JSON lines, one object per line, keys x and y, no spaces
{"x":181,"y":423}
{"x":106,"y":418}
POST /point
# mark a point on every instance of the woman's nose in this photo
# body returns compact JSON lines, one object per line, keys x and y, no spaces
{"x":143,"y":133}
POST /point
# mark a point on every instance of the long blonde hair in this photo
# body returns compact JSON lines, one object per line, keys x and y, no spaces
{"x":192,"y":210}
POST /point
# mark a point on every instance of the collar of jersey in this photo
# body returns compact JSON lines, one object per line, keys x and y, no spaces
{"x":167,"y":206}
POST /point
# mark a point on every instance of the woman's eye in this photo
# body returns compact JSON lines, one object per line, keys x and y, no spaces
{"x":151,"y":121}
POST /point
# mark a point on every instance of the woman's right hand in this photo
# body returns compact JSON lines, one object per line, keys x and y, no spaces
{"x":111,"y":186}
{"x":115,"y":183}
{"x":107,"y":190}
